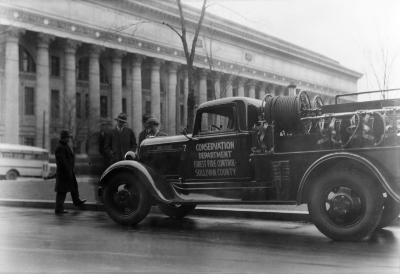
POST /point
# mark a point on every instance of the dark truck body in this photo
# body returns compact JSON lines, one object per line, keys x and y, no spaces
{"x":246,"y":151}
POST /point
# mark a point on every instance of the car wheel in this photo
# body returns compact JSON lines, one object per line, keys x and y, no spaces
{"x":391,"y":211}
{"x":177,"y":211}
{"x":11,"y":175}
{"x":345,"y":205}
{"x":126,"y":200}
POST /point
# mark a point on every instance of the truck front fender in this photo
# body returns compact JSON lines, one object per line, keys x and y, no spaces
{"x":147,"y":176}
{"x":333,"y":158}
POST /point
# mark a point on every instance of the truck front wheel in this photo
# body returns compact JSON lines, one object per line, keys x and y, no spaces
{"x":345,"y":205}
{"x":126,"y":200}
{"x":176,"y":211}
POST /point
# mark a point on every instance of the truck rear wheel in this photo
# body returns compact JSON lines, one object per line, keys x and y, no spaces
{"x":126,"y":200}
{"x":345,"y":205}
{"x":391,"y":211}
{"x":176,"y":211}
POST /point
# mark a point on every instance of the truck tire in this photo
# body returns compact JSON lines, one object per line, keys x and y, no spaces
{"x":391,"y":211}
{"x":176,"y":211}
{"x":345,"y":205}
{"x":126,"y":200}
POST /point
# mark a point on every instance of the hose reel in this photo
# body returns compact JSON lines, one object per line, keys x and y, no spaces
{"x":285,"y":111}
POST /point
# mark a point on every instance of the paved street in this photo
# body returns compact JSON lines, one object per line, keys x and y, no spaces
{"x":36,"y":241}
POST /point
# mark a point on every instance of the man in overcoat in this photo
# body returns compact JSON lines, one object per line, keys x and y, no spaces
{"x":65,"y":175}
{"x":120,"y":140}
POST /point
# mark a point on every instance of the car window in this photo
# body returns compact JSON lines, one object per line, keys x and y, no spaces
{"x":217,"y":120}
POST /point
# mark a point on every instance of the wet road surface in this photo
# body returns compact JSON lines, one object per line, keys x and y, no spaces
{"x":37,"y":241}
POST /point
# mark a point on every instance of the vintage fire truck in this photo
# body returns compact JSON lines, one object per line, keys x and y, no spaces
{"x":342,"y":160}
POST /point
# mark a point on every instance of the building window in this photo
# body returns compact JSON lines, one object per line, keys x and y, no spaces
{"x":147,"y":108}
{"x":103,"y":106}
{"x":182,"y":86}
{"x":87,"y":111}
{"x":26,"y":62}
{"x":182,"y":114}
{"x":103,"y":75}
{"x":29,"y":141}
{"x":55,"y":104}
{"x":124,"y":105}
{"x":146,"y":78}
{"x":124,"y":77}
{"x":83,"y":69}
{"x":55,"y":66}
{"x":53,"y":145}
{"x":29,"y":101}
{"x":78,"y":105}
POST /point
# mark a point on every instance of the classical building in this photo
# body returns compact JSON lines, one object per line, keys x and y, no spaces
{"x":78,"y":64}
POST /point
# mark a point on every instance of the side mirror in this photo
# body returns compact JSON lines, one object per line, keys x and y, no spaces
{"x":185,"y":133}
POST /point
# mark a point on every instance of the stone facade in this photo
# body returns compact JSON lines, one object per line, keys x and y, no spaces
{"x":77,"y":64}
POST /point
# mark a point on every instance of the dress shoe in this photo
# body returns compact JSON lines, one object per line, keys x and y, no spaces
{"x":80,"y":203}
{"x":60,"y":212}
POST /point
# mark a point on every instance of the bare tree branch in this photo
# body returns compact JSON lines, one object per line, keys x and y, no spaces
{"x":173,"y":29}
{"x":196,"y":34}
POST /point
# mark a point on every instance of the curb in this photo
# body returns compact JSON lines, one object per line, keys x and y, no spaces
{"x":200,"y":211}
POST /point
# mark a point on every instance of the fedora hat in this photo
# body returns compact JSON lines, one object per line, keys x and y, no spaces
{"x":152,"y":121}
{"x":122,"y":117}
{"x":64,"y":134}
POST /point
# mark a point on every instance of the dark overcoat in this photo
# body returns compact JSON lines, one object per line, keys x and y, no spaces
{"x":118,"y":142}
{"x":65,"y":175}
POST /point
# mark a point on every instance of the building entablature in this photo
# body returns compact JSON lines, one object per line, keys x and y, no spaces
{"x":260,"y":67}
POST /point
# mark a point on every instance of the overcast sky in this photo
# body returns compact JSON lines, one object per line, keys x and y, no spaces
{"x":357,"y":33}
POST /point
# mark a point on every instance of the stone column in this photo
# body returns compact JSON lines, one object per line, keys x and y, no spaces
{"x":252,"y":89}
{"x":136,"y":104}
{"x":263,"y":89}
{"x":116,"y":83}
{"x":11,"y":85}
{"x":42,"y":94}
{"x":69,"y":104}
{"x":217,"y":85}
{"x":202,"y":86}
{"x":185,"y":95}
{"x":171,"y":98}
{"x":155,"y":88}
{"x":228,"y":85}
{"x":94,"y":86}
{"x":292,"y":89}
{"x":241,"y":82}
{"x":270,"y":89}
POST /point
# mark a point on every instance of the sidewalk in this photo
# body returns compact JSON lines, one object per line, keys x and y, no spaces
{"x":39,"y":193}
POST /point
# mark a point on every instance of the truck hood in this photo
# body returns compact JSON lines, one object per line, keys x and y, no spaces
{"x":164,"y":140}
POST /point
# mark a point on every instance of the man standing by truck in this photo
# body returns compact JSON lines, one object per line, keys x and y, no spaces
{"x":119,"y":141}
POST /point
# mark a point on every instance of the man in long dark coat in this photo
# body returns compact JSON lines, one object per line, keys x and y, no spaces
{"x":120,"y":140}
{"x":65,"y":176}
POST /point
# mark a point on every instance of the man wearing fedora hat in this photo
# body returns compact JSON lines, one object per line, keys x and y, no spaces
{"x":119,"y":141}
{"x":65,"y":175}
{"x":151,"y":129}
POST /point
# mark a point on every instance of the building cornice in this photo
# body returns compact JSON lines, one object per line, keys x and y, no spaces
{"x":167,"y":10}
{"x":17,"y":17}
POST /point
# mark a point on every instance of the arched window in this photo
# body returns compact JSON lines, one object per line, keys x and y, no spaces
{"x":83,"y":69}
{"x":26,"y":62}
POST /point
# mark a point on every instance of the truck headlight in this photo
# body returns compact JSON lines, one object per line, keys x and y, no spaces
{"x":130,"y":155}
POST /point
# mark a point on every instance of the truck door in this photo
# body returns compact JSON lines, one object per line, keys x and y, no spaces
{"x":218,"y":151}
